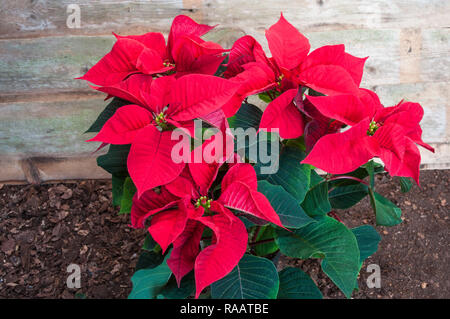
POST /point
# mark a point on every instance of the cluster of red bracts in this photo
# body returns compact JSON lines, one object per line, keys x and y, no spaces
{"x":168,"y":86}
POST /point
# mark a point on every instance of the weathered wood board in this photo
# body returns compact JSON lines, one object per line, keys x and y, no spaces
{"x":44,"y":111}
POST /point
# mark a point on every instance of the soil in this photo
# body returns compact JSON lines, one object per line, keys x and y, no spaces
{"x":45,"y":228}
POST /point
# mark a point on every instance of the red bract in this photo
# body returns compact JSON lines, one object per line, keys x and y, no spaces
{"x":167,"y":104}
{"x":185,"y":53}
{"x":329,"y":70}
{"x":389,"y":133}
{"x":184,"y":207}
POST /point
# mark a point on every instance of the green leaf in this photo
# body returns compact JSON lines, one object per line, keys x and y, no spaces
{"x":129,"y":189}
{"x":368,"y":239}
{"x":291,"y":175}
{"x":330,"y":239}
{"x":253,"y":278}
{"x":298,"y":142}
{"x":149,"y":259}
{"x":106,"y":114}
{"x":405,"y":184}
{"x":316,"y":201}
{"x":346,"y":196}
{"x":295,"y":284}
{"x":315,"y":178}
{"x":149,"y":243}
{"x":387,"y":214}
{"x":247,"y":116}
{"x":314,"y":92}
{"x":370,"y":167}
{"x":115,"y":161}
{"x":264,"y":249}
{"x":117,"y":189}
{"x":147,"y":283}
{"x":265,"y":97}
{"x":290,"y":212}
{"x":171,"y":290}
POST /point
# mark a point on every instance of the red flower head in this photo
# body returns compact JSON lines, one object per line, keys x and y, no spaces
{"x":161,"y":105}
{"x":389,"y":133}
{"x":185,"y":53}
{"x":329,"y":70}
{"x":183,"y":208}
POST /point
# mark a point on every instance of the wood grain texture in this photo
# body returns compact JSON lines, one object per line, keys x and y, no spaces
{"x":28,"y":18}
{"x":43,"y":110}
{"x":35,"y":170}
{"x":48,"y":128}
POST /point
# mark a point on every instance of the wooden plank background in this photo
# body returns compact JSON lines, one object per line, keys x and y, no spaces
{"x":43,"y":111}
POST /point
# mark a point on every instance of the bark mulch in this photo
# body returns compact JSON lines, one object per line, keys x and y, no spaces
{"x":44,"y":228}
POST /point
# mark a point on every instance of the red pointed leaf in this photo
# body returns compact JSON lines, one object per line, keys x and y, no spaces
{"x":167,"y":226}
{"x":123,"y":126}
{"x":150,"y":203}
{"x":117,"y":64}
{"x":329,"y":79}
{"x":283,"y":115}
{"x":185,"y":250}
{"x":196,"y":95}
{"x":184,"y":26}
{"x":150,"y":163}
{"x":341,"y":153}
{"x":241,"y":197}
{"x":345,"y":108}
{"x":151,"y":40}
{"x":244,"y":173}
{"x":287,"y":45}
{"x":133,"y":89}
{"x":217,"y":260}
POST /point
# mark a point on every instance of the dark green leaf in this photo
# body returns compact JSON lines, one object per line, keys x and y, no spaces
{"x":265,"y":97}
{"x":290,"y":212}
{"x":117,"y":189}
{"x":129,"y":189}
{"x":253,"y":278}
{"x":295,"y":284}
{"x":247,"y":116}
{"x":331,"y":240}
{"x":387,"y":214}
{"x":106,"y":114}
{"x":265,"y":248}
{"x":291,"y":175}
{"x":370,"y":167}
{"x":149,"y":243}
{"x":147,"y":283}
{"x":171,"y":290}
{"x":298,"y":142}
{"x":346,"y":196}
{"x":368,"y":239}
{"x":315,"y":178}
{"x":316,"y":201}
{"x":314,"y":92}
{"x":149,"y":259}
{"x":405,"y":184}
{"x":115,"y":161}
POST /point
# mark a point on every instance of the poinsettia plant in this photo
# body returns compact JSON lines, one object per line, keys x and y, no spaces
{"x":223,"y":188}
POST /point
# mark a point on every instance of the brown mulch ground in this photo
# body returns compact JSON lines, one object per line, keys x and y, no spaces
{"x":45,"y":228}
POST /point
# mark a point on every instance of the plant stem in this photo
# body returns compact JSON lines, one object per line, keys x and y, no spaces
{"x":348,"y":177}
